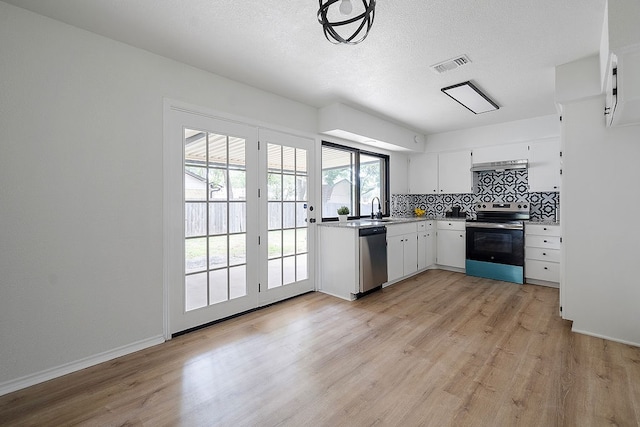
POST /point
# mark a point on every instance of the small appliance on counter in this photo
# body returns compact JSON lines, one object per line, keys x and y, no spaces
{"x":455,"y":212}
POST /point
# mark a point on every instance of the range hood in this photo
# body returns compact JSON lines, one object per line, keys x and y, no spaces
{"x":500,"y":166}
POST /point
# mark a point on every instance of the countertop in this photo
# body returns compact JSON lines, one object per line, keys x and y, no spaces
{"x":542,"y":222}
{"x":367,"y":222}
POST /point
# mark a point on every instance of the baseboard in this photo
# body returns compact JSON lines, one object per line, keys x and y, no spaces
{"x":333,"y":294}
{"x":604,"y":337}
{"x":542,"y":283}
{"x":58,"y":371}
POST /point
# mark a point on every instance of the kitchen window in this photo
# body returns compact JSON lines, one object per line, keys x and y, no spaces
{"x":353,"y":178}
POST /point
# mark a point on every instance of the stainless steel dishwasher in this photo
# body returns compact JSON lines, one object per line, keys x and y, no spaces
{"x":373,"y":257}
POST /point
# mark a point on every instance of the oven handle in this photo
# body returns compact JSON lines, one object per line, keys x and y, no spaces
{"x":494,"y":225}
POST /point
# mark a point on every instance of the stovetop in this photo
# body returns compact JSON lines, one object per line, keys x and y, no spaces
{"x":502,"y":212}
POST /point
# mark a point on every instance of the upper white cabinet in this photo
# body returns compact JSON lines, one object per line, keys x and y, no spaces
{"x":499,"y":153}
{"x":454,"y":172}
{"x":544,"y":165}
{"x":423,"y":173}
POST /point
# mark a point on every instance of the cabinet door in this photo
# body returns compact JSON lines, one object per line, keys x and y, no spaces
{"x":497,"y":153}
{"x":454,"y":172}
{"x":395,"y":257}
{"x":451,"y":248}
{"x":410,"y":253}
{"x":426,"y":254}
{"x":544,"y":165}
{"x":423,"y":173}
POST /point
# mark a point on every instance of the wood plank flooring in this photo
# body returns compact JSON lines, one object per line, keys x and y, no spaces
{"x":439,"y":349}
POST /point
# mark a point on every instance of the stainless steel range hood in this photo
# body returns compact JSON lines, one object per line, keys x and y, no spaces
{"x":500,"y":166}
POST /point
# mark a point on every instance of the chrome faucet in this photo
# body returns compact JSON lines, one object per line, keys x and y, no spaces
{"x":379,"y":214}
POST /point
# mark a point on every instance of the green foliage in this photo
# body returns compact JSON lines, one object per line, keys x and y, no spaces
{"x":343,"y":210}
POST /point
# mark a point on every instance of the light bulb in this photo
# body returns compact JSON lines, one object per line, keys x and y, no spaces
{"x":346,"y":7}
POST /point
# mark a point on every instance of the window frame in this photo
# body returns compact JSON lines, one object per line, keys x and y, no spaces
{"x":385,"y":192}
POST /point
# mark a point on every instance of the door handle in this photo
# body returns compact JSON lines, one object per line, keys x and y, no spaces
{"x":312,"y":220}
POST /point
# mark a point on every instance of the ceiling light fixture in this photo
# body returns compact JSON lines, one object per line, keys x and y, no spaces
{"x":471,"y":98}
{"x":356,"y":27}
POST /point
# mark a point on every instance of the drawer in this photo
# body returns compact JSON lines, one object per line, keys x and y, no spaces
{"x":542,"y":270}
{"x":541,"y":254}
{"x":542,"y":230}
{"x":545,"y":242}
{"x":451,"y":225}
{"x":399,"y":229}
{"x":425,"y":225}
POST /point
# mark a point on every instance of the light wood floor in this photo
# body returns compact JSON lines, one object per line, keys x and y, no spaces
{"x":438,"y":349}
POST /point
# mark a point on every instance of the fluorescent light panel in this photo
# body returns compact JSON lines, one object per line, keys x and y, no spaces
{"x":471,"y":97}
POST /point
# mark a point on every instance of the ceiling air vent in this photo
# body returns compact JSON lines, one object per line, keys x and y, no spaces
{"x":450,"y":64}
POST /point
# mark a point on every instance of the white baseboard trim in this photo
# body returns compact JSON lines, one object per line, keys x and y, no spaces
{"x":605,"y":337}
{"x":58,"y":371}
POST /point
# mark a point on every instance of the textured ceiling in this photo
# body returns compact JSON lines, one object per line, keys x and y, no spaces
{"x":279,"y":46}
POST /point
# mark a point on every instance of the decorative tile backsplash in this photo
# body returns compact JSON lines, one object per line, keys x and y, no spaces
{"x":499,"y":186}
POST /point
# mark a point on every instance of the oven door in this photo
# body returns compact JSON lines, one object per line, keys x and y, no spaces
{"x":496,"y":242}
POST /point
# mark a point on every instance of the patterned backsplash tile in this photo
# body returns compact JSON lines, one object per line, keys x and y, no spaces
{"x":499,"y":186}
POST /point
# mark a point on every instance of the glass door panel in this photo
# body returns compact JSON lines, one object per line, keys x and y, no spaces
{"x":286,"y":256}
{"x":217,"y":191}
{"x":211,"y":166}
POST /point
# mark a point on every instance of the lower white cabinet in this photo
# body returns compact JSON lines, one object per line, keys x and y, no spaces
{"x":451,"y":244}
{"x":426,"y":245}
{"x":339,"y":266}
{"x":402,"y":250}
{"x":542,"y":254}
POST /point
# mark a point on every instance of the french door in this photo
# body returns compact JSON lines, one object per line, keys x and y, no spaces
{"x":287,"y":258}
{"x":237,"y":234}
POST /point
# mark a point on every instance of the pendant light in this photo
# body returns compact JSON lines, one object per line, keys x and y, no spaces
{"x":356,"y":27}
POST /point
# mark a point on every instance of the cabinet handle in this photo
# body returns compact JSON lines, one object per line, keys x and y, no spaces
{"x":461,"y":235}
{"x":545,"y":241}
{"x":544,"y":253}
{"x":546,"y":268}
{"x":545,"y":228}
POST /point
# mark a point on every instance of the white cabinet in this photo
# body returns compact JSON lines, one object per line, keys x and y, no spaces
{"x":454,"y":172}
{"x":443,"y":173}
{"x":339,"y":261}
{"x":499,"y":153}
{"x":542,"y":254}
{"x":402,"y":250}
{"x":544,"y":165}
{"x":426,"y":242}
{"x":451,"y":246}
{"x":423,"y":173}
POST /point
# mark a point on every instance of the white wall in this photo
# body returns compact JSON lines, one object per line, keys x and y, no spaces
{"x":600,"y":198}
{"x":81,"y":189}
